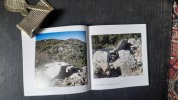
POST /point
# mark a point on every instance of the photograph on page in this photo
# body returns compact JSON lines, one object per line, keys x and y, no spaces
{"x":117,"y":56}
{"x":57,"y":63}
{"x":61,"y":59}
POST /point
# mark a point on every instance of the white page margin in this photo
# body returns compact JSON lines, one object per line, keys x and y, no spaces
{"x":28,"y":46}
{"x":120,"y":82}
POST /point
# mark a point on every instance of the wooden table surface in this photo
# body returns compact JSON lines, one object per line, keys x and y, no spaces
{"x":155,"y":13}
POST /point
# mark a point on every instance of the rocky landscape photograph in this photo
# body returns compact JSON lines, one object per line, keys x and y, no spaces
{"x":117,"y":55}
{"x":61,"y":59}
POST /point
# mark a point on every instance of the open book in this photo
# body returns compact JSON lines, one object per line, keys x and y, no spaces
{"x":75,"y":59}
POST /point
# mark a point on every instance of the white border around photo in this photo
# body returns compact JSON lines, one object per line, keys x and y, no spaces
{"x":120,"y":82}
{"x":28,"y":46}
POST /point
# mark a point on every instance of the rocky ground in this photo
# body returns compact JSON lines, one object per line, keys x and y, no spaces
{"x":60,"y":74}
{"x":60,"y":63}
{"x":123,"y":60}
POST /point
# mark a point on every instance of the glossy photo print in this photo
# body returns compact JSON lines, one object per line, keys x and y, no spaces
{"x":61,"y":59}
{"x":117,"y":55}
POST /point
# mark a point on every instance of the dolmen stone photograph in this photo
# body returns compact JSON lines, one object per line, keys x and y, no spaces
{"x":60,"y":62}
{"x":117,"y":55}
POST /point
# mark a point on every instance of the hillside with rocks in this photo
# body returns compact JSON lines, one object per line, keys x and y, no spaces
{"x":124,"y":59}
{"x":71,"y":51}
{"x":60,"y":63}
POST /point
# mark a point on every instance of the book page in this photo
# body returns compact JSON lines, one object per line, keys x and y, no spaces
{"x":55,"y":61}
{"x":118,"y":56}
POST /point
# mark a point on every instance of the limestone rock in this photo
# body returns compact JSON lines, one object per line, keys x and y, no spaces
{"x":125,"y":62}
{"x":100,"y":61}
{"x":73,"y":80}
{"x":53,"y":69}
{"x":60,"y":74}
{"x":134,"y":42}
{"x":138,"y":56}
{"x":58,"y":70}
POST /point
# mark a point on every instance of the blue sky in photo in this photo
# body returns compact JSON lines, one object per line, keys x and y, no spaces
{"x":80,"y":35}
